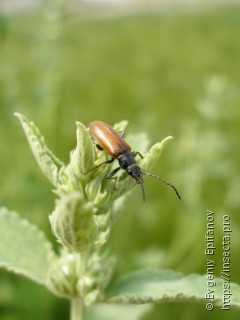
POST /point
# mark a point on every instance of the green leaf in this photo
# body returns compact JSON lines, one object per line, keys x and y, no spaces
{"x":47,"y":161}
{"x":139,"y":142}
{"x":153,"y":155}
{"x":120,"y":126}
{"x":153,"y":285}
{"x":149,"y":160}
{"x":73,"y":222}
{"x":116,"y":312}
{"x":82,"y":157}
{"x":24,"y":249}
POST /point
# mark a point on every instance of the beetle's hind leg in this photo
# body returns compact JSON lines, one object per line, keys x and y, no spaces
{"x":98,"y":146}
{"x":111,"y":176}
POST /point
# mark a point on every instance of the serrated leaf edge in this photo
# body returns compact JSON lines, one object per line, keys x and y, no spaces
{"x":40,"y":235}
{"x":181,"y":296}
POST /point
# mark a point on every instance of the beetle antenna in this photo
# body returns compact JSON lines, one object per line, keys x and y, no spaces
{"x":159,"y":178}
{"x":143,"y":192}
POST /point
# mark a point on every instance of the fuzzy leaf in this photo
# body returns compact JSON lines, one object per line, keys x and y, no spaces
{"x":24,"y":249}
{"x":150,"y":159}
{"x":82,"y":157}
{"x":120,"y":126}
{"x":153,"y":155}
{"x":139,"y":142}
{"x":116,"y":312}
{"x":73,"y":222}
{"x":47,"y":161}
{"x":152,"y":285}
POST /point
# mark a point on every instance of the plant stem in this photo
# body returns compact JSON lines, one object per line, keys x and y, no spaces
{"x":77,"y":309}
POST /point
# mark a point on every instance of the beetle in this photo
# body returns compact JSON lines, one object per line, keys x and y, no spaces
{"x":112,"y":142}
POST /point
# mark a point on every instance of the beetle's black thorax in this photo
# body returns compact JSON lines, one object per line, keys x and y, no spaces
{"x":127,"y":162}
{"x":126,"y":159}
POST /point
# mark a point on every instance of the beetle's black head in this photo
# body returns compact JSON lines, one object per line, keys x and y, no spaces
{"x":135,"y":172}
{"x":127,"y":162}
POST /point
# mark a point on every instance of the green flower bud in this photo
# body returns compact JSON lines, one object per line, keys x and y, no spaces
{"x":63,"y":275}
{"x":82,"y":158}
{"x":73,"y":222}
{"x":99,"y":268}
{"x":83,"y":275}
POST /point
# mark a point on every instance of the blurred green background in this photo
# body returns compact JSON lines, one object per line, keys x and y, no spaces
{"x":168,"y":73}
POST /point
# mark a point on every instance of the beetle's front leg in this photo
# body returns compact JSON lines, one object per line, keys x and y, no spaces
{"x":111,"y":176}
{"x":135,"y":153}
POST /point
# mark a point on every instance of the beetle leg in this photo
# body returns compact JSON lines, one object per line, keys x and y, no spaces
{"x":112,"y":174}
{"x":135,"y":153}
{"x":105,"y":162}
{"x":99,"y":147}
